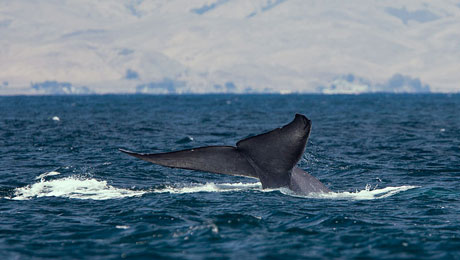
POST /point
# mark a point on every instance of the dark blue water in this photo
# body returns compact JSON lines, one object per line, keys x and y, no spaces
{"x":66,"y":192}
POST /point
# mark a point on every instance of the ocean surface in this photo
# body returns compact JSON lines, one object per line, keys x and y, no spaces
{"x":393,"y":162}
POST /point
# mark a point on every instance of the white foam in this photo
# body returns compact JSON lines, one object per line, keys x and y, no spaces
{"x":122,"y":227}
{"x":46,"y":174}
{"x":365,"y":194}
{"x":211,"y":187}
{"x":75,"y":188}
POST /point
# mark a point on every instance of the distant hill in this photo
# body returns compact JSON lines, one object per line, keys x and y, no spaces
{"x":222,"y":46}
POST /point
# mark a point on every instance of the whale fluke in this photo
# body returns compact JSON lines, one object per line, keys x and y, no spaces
{"x":271,"y":157}
{"x":215,"y":159}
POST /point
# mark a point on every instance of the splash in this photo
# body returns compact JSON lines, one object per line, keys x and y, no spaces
{"x":73,"y":187}
{"x":365,"y":194}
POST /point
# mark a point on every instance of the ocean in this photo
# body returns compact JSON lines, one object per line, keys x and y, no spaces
{"x":392,"y":160}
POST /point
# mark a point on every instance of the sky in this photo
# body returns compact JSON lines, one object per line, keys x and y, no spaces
{"x":229,"y":46}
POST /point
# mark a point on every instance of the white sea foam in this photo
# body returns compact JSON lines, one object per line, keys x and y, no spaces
{"x":365,"y":194}
{"x":76,"y":187}
{"x":46,"y":174}
{"x":211,"y":187}
{"x":73,"y":187}
{"x":122,"y":227}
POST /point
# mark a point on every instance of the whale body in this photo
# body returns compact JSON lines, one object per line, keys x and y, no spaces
{"x":271,"y":157}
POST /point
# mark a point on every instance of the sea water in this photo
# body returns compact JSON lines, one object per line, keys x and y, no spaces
{"x":392,"y":161}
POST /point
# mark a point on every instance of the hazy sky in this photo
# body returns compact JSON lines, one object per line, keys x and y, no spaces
{"x":202,"y":46}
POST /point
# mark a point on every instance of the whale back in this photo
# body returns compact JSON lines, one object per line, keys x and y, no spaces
{"x":303,"y":183}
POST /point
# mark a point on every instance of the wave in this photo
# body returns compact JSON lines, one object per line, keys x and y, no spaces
{"x":76,"y":187}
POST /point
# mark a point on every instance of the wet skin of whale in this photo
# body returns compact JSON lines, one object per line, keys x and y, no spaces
{"x":271,"y":157}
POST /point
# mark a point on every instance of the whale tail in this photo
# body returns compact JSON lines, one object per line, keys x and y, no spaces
{"x":271,"y":157}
